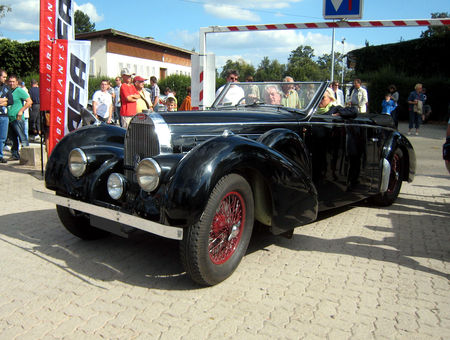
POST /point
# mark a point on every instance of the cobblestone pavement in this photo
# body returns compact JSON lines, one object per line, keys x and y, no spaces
{"x":358,"y":273}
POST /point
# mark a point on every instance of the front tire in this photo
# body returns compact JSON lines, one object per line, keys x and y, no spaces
{"x":387,"y":198}
{"x":78,"y":224}
{"x":213,"y":247}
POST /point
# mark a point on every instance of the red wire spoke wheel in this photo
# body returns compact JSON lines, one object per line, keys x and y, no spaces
{"x":226,"y":228}
{"x":395,"y":173}
{"x":395,"y":181}
{"x":213,"y":247}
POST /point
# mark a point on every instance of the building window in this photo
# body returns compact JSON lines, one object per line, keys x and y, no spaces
{"x":92,"y":67}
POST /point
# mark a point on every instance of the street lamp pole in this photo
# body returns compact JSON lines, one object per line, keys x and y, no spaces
{"x":332,"y":57}
{"x":343,"y":67}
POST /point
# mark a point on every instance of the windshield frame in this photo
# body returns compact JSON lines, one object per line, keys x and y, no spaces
{"x":313,"y":99}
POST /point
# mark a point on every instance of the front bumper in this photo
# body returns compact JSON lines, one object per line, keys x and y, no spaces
{"x":166,"y":231}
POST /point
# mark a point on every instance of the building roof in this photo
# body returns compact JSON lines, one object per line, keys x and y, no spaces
{"x":115,"y":33}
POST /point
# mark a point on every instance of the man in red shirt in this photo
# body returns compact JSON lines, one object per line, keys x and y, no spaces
{"x":128,"y":97}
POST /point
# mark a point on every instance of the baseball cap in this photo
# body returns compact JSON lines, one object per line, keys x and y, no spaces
{"x":139,"y":78}
{"x":125,"y":71}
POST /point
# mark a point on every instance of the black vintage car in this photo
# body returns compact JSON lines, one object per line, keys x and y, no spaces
{"x":206,"y":177}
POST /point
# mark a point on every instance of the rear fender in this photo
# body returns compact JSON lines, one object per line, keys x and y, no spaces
{"x":292,"y":197}
{"x":395,"y":141}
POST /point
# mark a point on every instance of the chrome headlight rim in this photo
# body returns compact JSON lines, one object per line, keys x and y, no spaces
{"x":77,"y":162}
{"x":116,"y":189}
{"x":148,"y":174}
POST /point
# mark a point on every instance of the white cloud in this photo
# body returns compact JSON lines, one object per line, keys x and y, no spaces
{"x":90,"y":10}
{"x":254,"y":46}
{"x":254,"y":4}
{"x":229,"y":11}
{"x":185,"y":39}
{"x":239,"y":10}
{"x":24,"y":16}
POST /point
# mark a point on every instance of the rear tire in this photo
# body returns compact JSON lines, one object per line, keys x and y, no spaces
{"x":385,"y":199}
{"x":78,"y":224}
{"x":213,"y":247}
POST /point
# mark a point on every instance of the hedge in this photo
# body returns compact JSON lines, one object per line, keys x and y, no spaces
{"x":405,"y":64}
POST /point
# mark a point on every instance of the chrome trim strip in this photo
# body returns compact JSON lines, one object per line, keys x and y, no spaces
{"x":163,"y":132}
{"x":281,"y":123}
{"x":221,"y":135}
{"x":300,"y":122}
{"x":385,"y":174}
{"x":351,"y":124}
{"x":174,"y":233}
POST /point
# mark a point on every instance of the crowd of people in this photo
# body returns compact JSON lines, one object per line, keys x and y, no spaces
{"x":19,"y":114}
{"x":20,"y":109}
{"x":119,"y":104}
{"x":356,"y":98}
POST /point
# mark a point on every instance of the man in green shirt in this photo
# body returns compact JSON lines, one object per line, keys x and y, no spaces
{"x":5,"y":100}
{"x":290,"y":96}
{"x":22,"y":101}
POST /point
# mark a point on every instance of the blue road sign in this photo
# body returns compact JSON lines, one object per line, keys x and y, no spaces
{"x":342,"y":9}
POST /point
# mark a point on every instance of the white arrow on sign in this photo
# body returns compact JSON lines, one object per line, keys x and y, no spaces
{"x":336,"y":4}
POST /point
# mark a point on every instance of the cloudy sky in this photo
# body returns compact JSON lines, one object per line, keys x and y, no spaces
{"x":177,"y":22}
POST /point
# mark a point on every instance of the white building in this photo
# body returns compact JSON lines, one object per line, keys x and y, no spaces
{"x":112,"y":50}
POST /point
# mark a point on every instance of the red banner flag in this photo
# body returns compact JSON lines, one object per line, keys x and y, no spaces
{"x":56,"y":22}
{"x":46,"y":38}
{"x":70,"y":73}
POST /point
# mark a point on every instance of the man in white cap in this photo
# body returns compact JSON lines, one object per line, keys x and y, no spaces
{"x":128,"y":97}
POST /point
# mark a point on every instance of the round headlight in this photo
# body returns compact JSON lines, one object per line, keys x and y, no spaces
{"x":77,"y":162}
{"x":115,"y":185}
{"x":148,"y":172}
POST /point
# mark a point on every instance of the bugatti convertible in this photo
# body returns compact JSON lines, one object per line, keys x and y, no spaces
{"x":207,"y":177}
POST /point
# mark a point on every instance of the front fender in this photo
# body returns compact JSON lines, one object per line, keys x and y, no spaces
{"x":397,"y":140}
{"x":292,"y":196}
{"x":103,"y":146}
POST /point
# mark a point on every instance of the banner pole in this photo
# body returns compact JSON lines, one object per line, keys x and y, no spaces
{"x":42,"y":135}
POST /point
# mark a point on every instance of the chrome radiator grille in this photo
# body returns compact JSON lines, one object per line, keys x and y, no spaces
{"x":141,"y":141}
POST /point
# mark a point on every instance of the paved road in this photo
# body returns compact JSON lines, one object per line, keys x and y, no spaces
{"x":359,"y":273}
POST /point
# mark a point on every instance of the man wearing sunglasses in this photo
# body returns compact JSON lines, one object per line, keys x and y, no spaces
{"x":235,"y":93}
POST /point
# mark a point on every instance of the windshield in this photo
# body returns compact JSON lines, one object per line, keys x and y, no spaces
{"x":295,"y":95}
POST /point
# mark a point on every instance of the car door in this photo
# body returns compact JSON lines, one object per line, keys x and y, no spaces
{"x":325,"y":137}
{"x":360,"y":155}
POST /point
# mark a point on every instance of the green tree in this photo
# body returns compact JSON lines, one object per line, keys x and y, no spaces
{"x":19,"y":58}
{"x":245,"y":69}
{"x":301,"y":53}
{"x":301,"y":65}
{"x":177,"y":83}
{"x":433,"y":31}
{"x":83,"y":23}
{"x":270,"y":70}
{"x":324,"y":63}
{"x":3,"y":10}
